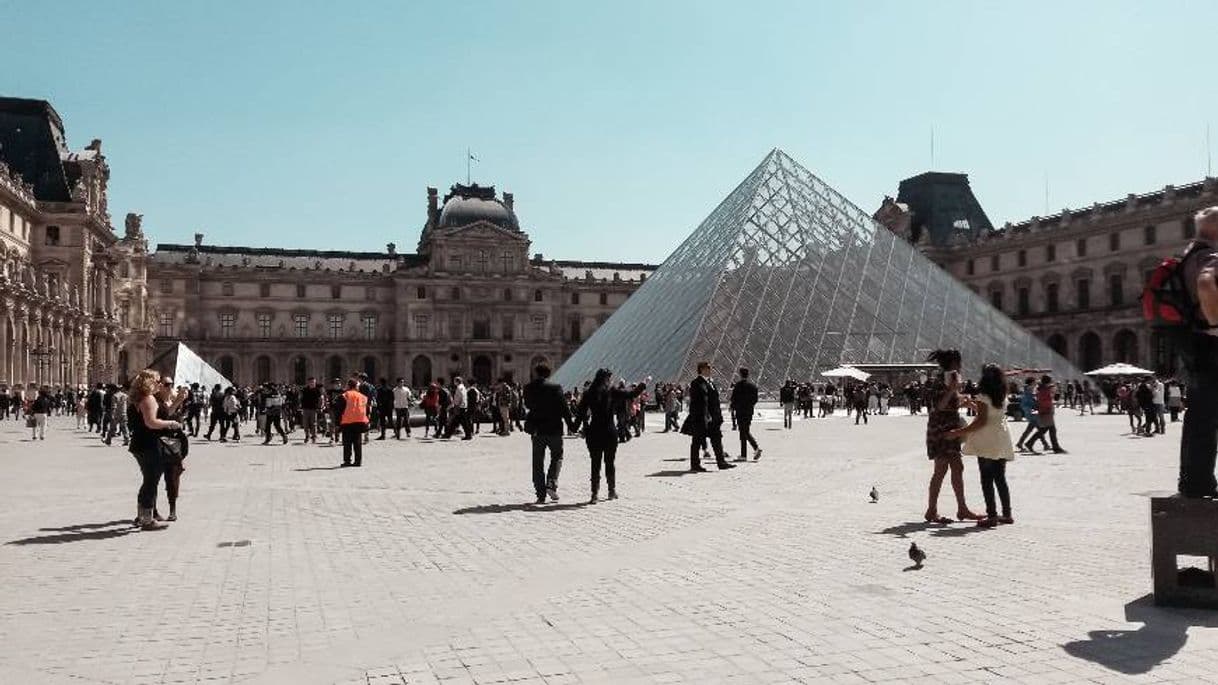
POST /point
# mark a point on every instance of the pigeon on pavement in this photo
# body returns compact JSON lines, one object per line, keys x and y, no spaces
{"x":916,"y":555}
{"x":875,"y":495}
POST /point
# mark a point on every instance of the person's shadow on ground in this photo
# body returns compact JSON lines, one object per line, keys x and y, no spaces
{"x":1162,"y":635}
{"x":79,"y":532}
{"x":526,"y":506}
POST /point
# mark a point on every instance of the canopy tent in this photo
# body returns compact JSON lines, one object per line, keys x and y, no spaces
{"x":185,"y":367}
{"x":846,"y":372}
{"x":1120,"y":369}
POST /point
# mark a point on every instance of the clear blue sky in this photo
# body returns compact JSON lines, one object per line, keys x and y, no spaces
{"x":619,"y":125}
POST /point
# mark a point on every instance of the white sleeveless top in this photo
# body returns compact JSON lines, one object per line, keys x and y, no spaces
{"x":992,"y":440}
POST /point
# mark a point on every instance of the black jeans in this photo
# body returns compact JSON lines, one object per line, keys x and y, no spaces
{"x":401,"y":420}
{"x":1031,"y":430}
{"x":1042,"y":430}
{"x":151,"y":468}
{"x":216,"y":419}
{"x":1199,"y":434}
{"x":277,"y":421}
{"x":744,"y":424}
{"x":606,"y":455}
{"x":353,"y":442}
{"x":994,"y":475}
{"x":696,"y":444}
{"x":544,"y":480}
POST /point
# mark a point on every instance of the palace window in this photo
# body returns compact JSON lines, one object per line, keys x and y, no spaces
{"x":370,"y":294}
{"x":1190,"y":228}
{"x":539,"y":327}
{"x":167,"y":285}
{"x":994,"y":263}
{"x":970,"y":267}
{"x":420,"y":293}
{"x":226,"y":288}
{"x":1023,"y":304}
{"x":1080,"y":247}
{"x":455,"y":294}
{"x":1116,"y":290}
{"x":334,"y":322}
{"x":264,"y":324}
{"x":1023,"y":258}
{"x":996,"y":299}
{"x":369,"y":321}
{"x":604,"y":299}
{"x":301,"y":289}
{"x":509,"y":326}
{"x":454,"y":262}
{"x":422,"y":329}
{"x":228,"y":321}
{"x":574,"y":298}
{"x":537,"y":296}
{"x":575,"y":332}
{"x":483,"y":260}
{"x":124,"y":314}
{"x":300,"y":325}
{"x":1149,"y":234}
{"x":52,"y":235}
{"x":507,"y":294}
{"x":165,"y":324}
{"x":336,"y":292}
{"x":509,"y":262}
{"x":1084,"y":293}
{"x":1050,"y":253}
{"x":1114,"y":242}
{"x":264,"y":290}
{"x":482,"y":328}
{"x":1051,"y":302}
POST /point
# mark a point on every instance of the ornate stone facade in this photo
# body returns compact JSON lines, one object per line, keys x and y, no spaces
{"x":63,"y":271}
{"x":470,"y":301}
{"x":1075,"y":278}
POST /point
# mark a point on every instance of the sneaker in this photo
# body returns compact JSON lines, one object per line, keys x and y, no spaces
{"x":987,"y":522}
{"x":154,"y":525}
{"x":541,"y":500}
{"x":742,"y":458}
{"x":697,"y":469}
{"x":344,"y":465}
{"x":553,"y":492}
{"x":1006,"y":520}
{"x":612,"y":495}
{"x":593,"y":499}
{"x":725,"y":465}
{"x":757,"y":456}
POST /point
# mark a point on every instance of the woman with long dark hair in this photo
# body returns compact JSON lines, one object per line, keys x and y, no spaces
{"x":596,"y":414}
{"x":942,"y":448}
{"x":148,"y":420}
{"x":988,"y":439}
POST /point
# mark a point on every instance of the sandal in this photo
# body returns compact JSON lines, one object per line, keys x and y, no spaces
{"x":938,"y":519}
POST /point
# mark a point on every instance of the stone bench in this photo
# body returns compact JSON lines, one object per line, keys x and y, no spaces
{"x":1184,"y":526}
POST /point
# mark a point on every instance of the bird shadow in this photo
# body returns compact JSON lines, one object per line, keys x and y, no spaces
{"x":673,"y":473}
{"x":913,"y":567}
{"x":1163,"y":634}
{"x":525,"y":506}
{"x":319,"y":468}
{"x":75,"y":536}
{"x":903,"y":530}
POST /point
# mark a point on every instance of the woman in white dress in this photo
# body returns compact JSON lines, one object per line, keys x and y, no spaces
{"x":988,"y":439}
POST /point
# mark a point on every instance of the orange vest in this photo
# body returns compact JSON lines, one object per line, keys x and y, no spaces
{"x":356,"y":409}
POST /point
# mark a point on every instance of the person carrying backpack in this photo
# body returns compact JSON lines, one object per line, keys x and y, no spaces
{"x":1181,"y":302}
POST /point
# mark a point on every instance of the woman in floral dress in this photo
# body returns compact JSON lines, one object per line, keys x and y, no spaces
{"x":943,"y":391}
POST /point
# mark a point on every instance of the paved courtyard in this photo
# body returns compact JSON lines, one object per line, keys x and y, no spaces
{"x":425,"y":566}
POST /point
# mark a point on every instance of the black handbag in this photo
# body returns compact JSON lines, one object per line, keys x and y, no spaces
{"x":174,"y":447}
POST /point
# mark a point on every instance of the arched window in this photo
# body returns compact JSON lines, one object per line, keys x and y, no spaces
{"x":334,"y":368}
{"x":262,"y":369}
{"x":1057,"y":342}
{"x":537,"y":296}
{"x":300,"y":370}
{"x":420,"y":371}
{"x":369,"y":367}
{"x":1090,"y":351}
{"x":226,"y":367}
{"x":1125,"y":346}
{"x":507,"y":294}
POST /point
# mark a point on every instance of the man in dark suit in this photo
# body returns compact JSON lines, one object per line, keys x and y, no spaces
{"x":547,"y":412}
{"x":705,"y":420}
{"x":742,"y":401}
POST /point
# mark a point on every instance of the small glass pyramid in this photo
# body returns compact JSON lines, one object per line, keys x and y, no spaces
{"x":789,"y":278}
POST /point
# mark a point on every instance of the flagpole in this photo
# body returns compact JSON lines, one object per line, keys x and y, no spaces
{"x":468,"y":156}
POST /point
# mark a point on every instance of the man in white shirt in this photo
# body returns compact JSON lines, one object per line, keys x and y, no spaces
{"x":1160,"y":401}
{"x":402,"y":399}
{"x":459,"y":412}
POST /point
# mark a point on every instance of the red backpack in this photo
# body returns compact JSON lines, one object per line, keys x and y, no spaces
{"x":1166,"y":302}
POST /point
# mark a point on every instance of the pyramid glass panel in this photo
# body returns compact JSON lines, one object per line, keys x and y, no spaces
{"x":788,"y":278}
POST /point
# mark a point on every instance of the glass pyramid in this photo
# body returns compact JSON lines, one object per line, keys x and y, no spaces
{"x":789,"y":278}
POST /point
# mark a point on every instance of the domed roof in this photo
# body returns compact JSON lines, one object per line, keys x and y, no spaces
{"x":465,"y":205}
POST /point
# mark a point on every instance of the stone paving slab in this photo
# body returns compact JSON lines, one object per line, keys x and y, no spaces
{"x":426,"y":566}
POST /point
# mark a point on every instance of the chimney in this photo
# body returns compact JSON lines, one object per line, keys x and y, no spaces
{"x":508,"y":200}
{"x":433,"y":205}
{"x":198,"y":240}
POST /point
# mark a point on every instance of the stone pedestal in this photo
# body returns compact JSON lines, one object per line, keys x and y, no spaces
{"x":1184,"y":526}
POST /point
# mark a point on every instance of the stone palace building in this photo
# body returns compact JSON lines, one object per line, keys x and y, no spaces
{"x":470,"y":301}
{"x":1074,"y":278}
{"x":71,"y":291}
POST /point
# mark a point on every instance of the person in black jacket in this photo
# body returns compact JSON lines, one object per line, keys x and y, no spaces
{"x":742,"y":401}
{"x":596,"y":412}
{"x":547,"y":412}
{"x":705,"y":419}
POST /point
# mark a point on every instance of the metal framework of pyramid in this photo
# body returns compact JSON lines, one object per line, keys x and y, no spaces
{"x":789,"y":278}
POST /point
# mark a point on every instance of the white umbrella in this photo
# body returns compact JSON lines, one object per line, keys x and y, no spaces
{"x":1120,"y":369}
{"x":847,"y":372}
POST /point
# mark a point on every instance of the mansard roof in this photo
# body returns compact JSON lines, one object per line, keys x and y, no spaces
{"x":32,"y":144}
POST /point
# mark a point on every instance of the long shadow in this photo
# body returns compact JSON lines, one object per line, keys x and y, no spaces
{"x":673,"y":473}
{"x":89,"y":526}
{"x":1162,"y":635}
{"x":685,"y":459}
{"x":60,"y":538}
{"x":903,"y":530}
{"x":319,"y":468}
{"x":526,"y":506}
{"x":967,"y":528}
